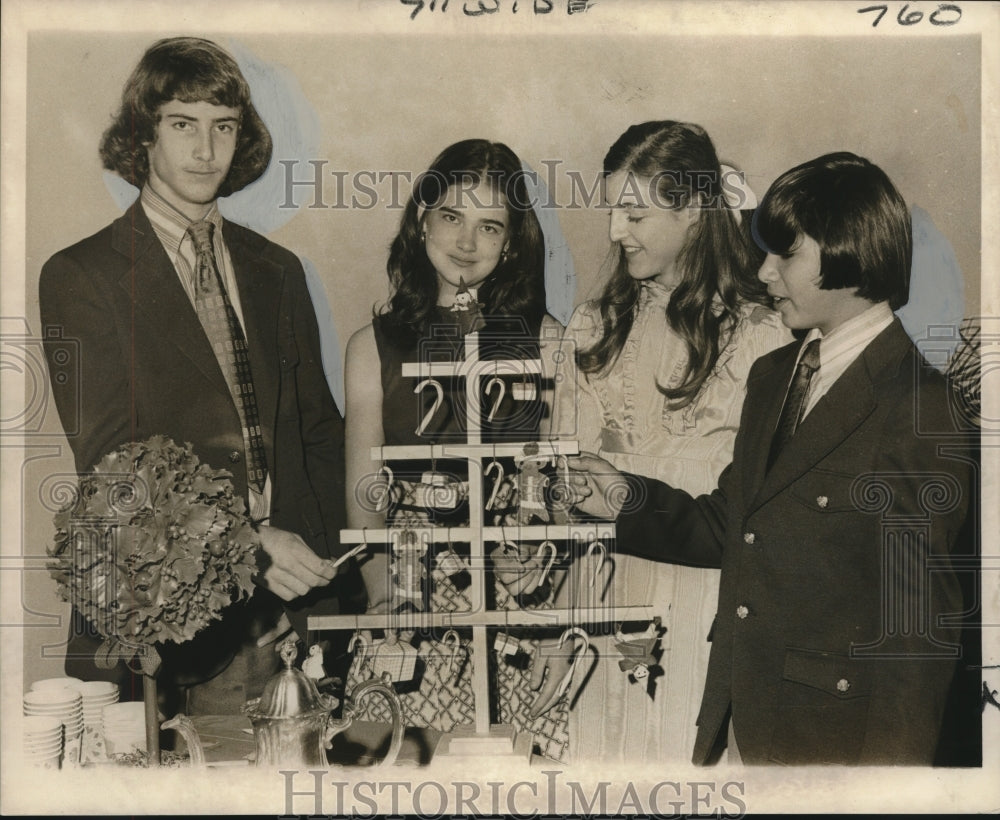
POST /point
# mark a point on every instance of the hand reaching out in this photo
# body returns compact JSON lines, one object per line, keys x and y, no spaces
{"x":293,"y":568}
{"x":595,"y":487}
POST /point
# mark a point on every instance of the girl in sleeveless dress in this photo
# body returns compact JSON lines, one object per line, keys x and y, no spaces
{"x":659,"y":363}
{"x":469,"y":256}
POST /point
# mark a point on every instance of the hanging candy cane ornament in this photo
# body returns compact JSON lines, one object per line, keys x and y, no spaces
{"x":498,"y":468}
{"x":496,"y":381}
{"x":546,"y":546}
{"x":549,"y":660}
{"x":438,"y":401}
{"x":596,"y":545}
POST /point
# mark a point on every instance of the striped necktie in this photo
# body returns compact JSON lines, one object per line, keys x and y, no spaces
{"x":795,"y":401}
{"x":223,"y":329}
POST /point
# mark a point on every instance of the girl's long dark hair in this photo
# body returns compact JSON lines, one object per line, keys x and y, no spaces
{"x":517,"y":285}
{"x":718,"y":262}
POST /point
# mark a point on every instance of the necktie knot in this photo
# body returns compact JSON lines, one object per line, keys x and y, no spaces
{"x":201,"y":235}
{"x":206,"y":276}
{"x":810,"y":356}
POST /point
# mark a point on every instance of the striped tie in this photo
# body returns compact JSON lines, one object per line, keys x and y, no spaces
{"x":795,"y":401}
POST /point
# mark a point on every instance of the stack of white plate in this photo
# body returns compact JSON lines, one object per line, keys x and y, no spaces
{"x":56,"y":683}
{"x":96,"y":695}
{"x":125,"y":727}
{"x":64,"y":704}
{"x":43,"y":741}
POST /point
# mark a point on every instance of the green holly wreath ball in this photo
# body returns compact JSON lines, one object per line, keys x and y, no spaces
{"x":152,"y":548}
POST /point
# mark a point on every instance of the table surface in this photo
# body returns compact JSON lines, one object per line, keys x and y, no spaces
{"x":228,"y":741}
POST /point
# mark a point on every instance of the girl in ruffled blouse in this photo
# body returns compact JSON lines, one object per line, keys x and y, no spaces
{"x":658,"y":364}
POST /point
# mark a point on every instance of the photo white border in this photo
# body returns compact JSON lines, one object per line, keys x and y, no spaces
{"x":117,"y":791}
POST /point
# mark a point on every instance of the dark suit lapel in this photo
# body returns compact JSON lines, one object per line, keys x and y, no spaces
{"x":771,"y":384}
{"x":156,"y":293}
{"x":260,"y":281}
{"x":829,"y":423}
{"x":845,"y":406}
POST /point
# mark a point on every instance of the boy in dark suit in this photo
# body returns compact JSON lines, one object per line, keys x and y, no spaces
{"x":198,"y":329}
{"x":835,"y":521}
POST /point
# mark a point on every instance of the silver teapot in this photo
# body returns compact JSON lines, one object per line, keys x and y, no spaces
{"x":292,"y":721}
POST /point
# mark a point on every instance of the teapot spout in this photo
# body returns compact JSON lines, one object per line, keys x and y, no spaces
{"x":183,"y":725}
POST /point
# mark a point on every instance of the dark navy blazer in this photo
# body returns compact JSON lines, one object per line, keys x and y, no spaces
{"x":827,"y":645}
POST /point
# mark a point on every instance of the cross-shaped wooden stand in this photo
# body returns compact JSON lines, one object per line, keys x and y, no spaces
{"x":483,"y":738}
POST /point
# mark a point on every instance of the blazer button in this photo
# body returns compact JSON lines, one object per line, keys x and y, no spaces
{"x":742,"y":612}
{"x":822,"y":501}
{"x":234,"y":456}
{"x":749,"y":537}
{"x":843,"y":685}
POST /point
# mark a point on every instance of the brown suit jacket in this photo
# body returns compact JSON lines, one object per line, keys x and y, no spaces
{"x":146,"y":367}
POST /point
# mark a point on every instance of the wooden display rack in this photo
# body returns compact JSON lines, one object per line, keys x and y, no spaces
{"x":482,"y":738}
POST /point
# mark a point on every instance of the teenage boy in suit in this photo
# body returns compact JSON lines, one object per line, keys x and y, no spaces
{"x":151,"y":361}
{"x":827,"y":645}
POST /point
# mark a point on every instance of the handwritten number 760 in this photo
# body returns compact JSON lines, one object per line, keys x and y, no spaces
{"x":914,"y":17}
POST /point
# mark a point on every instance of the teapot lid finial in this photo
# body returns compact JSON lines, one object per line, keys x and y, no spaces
{"x":288,"y":651}
{"x":290,"y":692}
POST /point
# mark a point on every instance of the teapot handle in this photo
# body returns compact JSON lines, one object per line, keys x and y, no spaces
{"x":384,"y":688}
{"x":183,"y":725}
